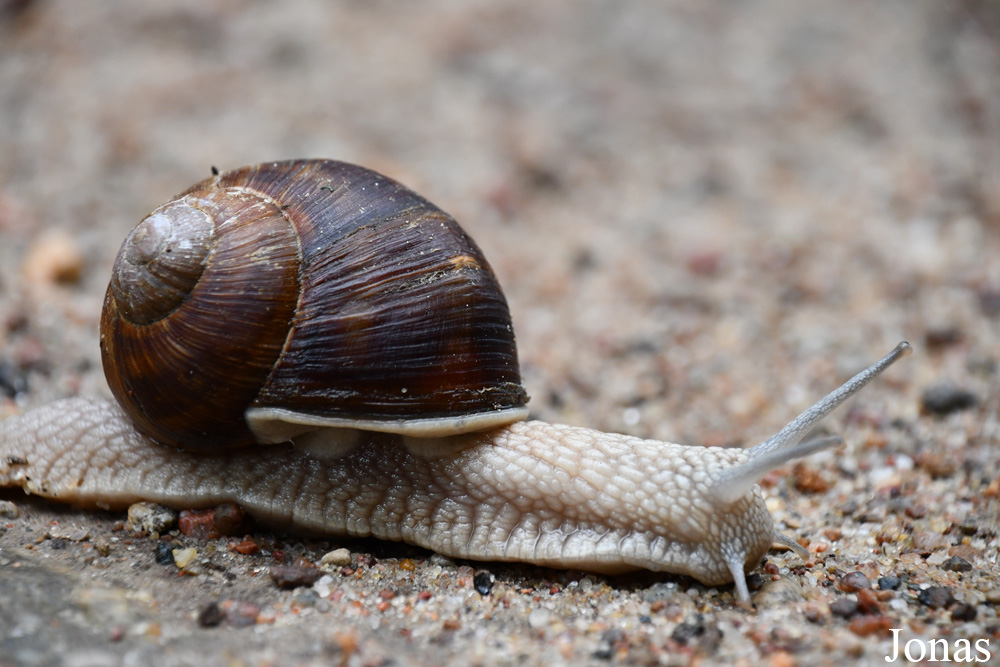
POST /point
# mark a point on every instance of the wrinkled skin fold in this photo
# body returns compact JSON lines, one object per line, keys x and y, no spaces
{"x":553,"y":495}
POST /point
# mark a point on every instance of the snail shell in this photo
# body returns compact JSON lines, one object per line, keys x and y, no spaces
{"x":285,"y":297}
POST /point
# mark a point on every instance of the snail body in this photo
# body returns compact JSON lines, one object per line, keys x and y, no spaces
{"x":446,"y":464}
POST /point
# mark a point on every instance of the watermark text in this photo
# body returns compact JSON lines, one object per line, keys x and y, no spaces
{"x":939,"y":650}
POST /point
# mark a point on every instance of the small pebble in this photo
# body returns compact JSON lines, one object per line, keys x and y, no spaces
{"x":867,"y":625}
{"x":688,"y":630}
{"x":853,"y":582}
{"x":71,"y":533}
{"x":943,"y":399}
{"x":247,"y":546}
{"x":53,"y":259}
{"x":698,"y":634}
{"x":539,"y":618}
{"x":293,"y":576}
{"x":844,"y":607}
{"x":755,"y":581}
{"x":810,"y":480}
{"x":778,"y":593}
{"x":943,"y":336}
{"x":336,"y":558}
{"x":164,"y":553}
{"x":483,"y":582}
{"x":956,"y":564}
{"x":197,"y":524}
{"x":184,"y":557}
{"x":661,"y":590}
{"x":963,"y":612}
{"x":8,"y":510}
{"x":229,"y":519}
{"x":225,"y":519}
{"x":210,"y":615}
{"x":150,"y":518}
{"x":240,"y":614}
{"x":306,"y":597}
{"x":812,"y":614}
{"x":936,"y":597}
{"x":937,"y":558}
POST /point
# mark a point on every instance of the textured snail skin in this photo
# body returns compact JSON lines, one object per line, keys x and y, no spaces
{"x":549,"y":494}
{"x":554,"y":495}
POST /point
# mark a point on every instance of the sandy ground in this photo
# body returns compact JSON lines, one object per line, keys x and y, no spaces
{"x":705,"y":216}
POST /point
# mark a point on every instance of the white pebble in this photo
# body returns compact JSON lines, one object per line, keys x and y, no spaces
{"x":539,"y":618}
{"x":337,"y":557}
{"x":184,"y":557}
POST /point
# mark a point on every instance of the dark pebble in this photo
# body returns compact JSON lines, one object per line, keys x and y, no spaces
{"x":963,"y":612}
{"x":210,"y":615}
{"x":164,"y":553}
{"x":942,"y":337}
{"x":969,"y":528}
{"x":943,"y":399}
{"x":13,"y":380}
{"x":888,"y":583}
{"x":483,"y":582}
{"x":957,"y":564}
{"x":605,"y":652}
{"x":936,"y":597}
{"x":695,"y":632}
{"x":853,"y":582}
{"x":229,"y":519}
{"x":688,"y":630}
{"x":58,"y":543}
{"x":844,"y":607}
{"x":293,"y":576}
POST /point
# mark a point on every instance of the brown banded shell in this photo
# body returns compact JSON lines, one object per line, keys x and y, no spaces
{"x":300,"y":295}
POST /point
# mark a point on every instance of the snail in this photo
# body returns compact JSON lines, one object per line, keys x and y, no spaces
{"x":324,"y":347}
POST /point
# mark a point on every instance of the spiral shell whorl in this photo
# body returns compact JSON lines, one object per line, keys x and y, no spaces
{"x":186,"y":371}
{"x":160,"y":262}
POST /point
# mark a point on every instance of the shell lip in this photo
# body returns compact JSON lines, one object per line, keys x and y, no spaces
{"x":274,"y":425}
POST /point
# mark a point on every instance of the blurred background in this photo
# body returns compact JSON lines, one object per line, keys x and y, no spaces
{"x":705,"y":215}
